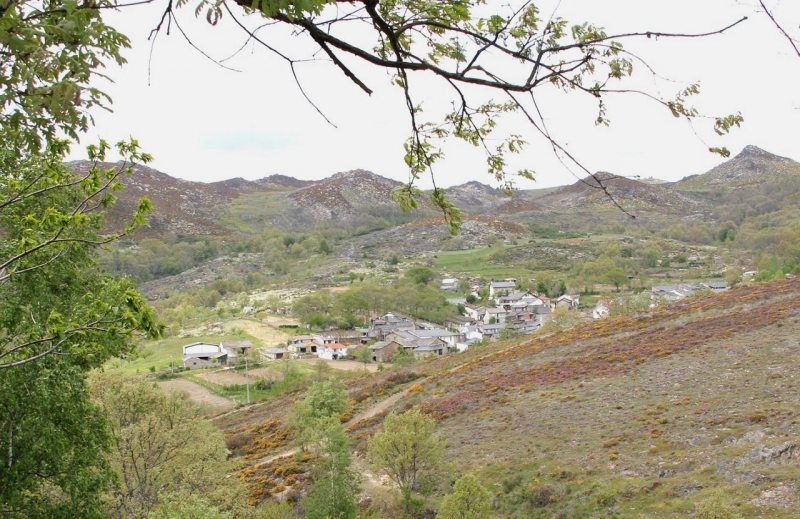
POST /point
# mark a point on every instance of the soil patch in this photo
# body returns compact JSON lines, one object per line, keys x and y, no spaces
{"x":198,"y":394}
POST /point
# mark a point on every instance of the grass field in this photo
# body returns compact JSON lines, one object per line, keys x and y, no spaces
{"x":476,"y":263}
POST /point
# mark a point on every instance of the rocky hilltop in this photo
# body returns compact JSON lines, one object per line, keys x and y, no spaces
{"x":360,"y":200}
{"x":631,"y":194}
{"x":181,"y":206}
{"x":752,"y":167}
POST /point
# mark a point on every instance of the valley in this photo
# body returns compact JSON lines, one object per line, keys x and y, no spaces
{"x":654,"y":405}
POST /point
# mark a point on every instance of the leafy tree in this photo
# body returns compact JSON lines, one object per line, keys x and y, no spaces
{"x":542,"y":289}
{"x":364,"y":355}
{"x":182,"y":506}
{"x":448,"y":42}
{"x":469,"y":500}
{"x":402,"y":357}
{"x":324,"y":246}
{"x":420,"y":275}
{"x":326,"y":399}
{"x":160,"y":446}
{"x":394,"y":260}
{"x":52,"y":297}
{"x":408,"y":450}
{"x":52,"y":463}
{"x":617,"y":277}
{"x":333,"y":495}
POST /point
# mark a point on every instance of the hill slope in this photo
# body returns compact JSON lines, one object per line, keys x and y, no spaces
{"x":752,"y":167}
{"x":639,"y":416}
{"x":630,"y":194}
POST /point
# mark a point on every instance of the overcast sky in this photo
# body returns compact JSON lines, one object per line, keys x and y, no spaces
{"x":206,"y":123}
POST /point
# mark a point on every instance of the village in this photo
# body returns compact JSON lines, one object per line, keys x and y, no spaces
{"x":508,"y":311}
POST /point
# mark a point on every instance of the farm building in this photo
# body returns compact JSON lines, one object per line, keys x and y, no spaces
{"x":200,"y":355}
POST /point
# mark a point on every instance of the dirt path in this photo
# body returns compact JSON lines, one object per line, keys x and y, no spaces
{"x":347,"y":365}
{"x":198,"y":394}
{"x":367,"y":413}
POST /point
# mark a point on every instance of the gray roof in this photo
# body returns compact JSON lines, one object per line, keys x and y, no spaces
{"x":438,"y":332}
{"x":379,"y":345}
{"x":716,"y":284}
{"x":236,"y":344}
{"x":277,"y":350}
{"x":430,"y":348}
{"x":503,"y":284}
{"x":492,"y":327}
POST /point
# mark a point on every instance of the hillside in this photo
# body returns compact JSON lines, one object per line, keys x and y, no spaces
{"x":350,"y":197}
{"x":640,"y":416}
{"x":632,"y":195}
{"x":181,"y":206}
{"x":752,"y":167}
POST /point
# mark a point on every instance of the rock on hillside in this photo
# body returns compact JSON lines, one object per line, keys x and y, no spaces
{"x":181,"y":206}
{"x":753,"y":166}
{"x":350,"y":197}
{"x":630,"y":194}
{"x":283,"y":180}
{"x":476,"y":197}
{"x":427,"y":236}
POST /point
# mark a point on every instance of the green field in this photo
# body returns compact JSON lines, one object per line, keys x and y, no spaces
{"x":160,"y":354}
{"x":476,"y":263}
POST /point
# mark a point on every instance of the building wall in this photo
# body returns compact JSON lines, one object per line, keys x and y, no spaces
{"x":385,"y":354}
{"x":195,"y":363}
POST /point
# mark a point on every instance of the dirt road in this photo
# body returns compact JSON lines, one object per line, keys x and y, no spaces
{"x":347,"y":365}
{"x":198,"y":394}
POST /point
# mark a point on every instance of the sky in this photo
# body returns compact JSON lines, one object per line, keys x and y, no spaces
{"x":203,"y":122}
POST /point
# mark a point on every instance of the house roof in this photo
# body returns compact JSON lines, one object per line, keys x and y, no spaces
{"x":277,"y":350}
{"x":438,"y":332}
{"x":503,"y":284}
{"x":433,"y":347}
{"x":379,"y":345}
{"x":201,"y":348}
{"x":495,"y":311}
{"x":335,"y":346}
{"x":716,"y":284}
{"x":236,"y":344}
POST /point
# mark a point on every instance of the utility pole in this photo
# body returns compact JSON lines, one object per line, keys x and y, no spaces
{"x":247,"y":378}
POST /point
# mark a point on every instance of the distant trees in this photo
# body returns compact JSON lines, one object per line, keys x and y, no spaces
{"x":408,"y":450}
{"x":350,"y":308}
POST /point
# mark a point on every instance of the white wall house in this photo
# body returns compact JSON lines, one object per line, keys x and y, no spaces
{"x":332,"y":351}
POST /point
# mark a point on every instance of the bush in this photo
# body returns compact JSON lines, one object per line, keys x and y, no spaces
{"x":714,"y":508}
{"x":541,"y":495}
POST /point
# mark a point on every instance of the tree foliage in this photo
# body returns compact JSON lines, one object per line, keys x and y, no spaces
{"x":324,"y":400}
{"x":333,"y":495}
{"x":408,"y":450}
{"x":160,"y":445}
{"x":52,"y":461}
{"x":469,"y":500}
{"x":53,"y":299}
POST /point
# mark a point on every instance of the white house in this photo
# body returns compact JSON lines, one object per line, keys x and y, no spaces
{"x":200,"y":355}
{"x":498,"y":314}
{"x":498,"y":288}
{"x":332,"y":351}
